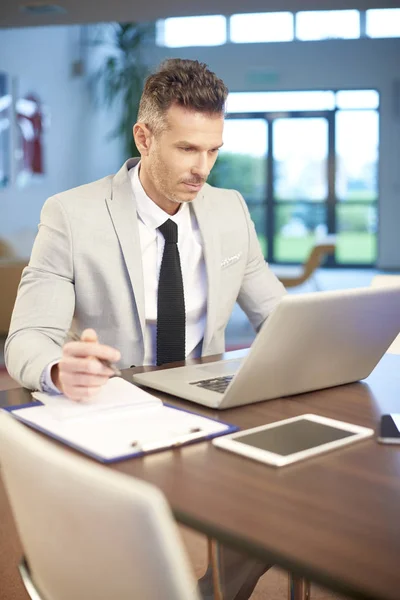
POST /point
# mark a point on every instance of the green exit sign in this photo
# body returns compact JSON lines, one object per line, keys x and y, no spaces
{"x":260,"y":77}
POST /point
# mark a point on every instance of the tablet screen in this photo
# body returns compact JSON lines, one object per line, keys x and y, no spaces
{"x":293,"y":437}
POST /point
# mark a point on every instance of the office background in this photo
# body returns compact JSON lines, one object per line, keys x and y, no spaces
{"x":77,"y":145}
{"x":42,"y":53}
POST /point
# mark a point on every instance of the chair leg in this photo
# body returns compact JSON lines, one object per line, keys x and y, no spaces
{"x":30,"y":587}
{"x":213,"y":560}
{"x":299,"y":588}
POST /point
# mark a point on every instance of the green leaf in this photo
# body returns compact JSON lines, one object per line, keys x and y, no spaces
{"x":120,"y":78}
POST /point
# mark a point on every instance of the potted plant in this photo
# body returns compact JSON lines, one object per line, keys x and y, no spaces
{"x":119,"y":78}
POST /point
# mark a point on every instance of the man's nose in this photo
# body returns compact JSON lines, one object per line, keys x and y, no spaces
{"x":201,"y":167}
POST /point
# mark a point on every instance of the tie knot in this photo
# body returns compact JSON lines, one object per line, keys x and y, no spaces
{"x":169,"y":229}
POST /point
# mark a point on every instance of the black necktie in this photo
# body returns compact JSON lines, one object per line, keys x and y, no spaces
{"x":171,"y":300}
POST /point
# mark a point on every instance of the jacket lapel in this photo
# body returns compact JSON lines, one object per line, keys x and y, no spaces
{"x":212,"y":256}
{"x":122,"y":209}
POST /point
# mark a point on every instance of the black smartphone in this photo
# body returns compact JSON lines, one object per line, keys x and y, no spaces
{"x":389,"y":430}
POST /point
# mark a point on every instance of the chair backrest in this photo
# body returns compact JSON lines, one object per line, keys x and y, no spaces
{"x":316,"y":256}
{"x":388,"y":280}
{"x":6,"y":250}
{"x":10,"y":277}
{"x":88,"y":531}
{"x":314,"y":259}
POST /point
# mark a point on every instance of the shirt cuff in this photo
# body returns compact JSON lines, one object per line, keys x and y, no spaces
{"x":46,"y":383}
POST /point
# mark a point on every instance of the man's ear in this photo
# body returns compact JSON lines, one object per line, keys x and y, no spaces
{"x":142,"y":136}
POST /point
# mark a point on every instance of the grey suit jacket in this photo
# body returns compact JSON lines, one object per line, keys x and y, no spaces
{"x":86,"y":263}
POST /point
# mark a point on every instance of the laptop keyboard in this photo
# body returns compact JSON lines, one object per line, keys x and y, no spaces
{"x":216,"y":384}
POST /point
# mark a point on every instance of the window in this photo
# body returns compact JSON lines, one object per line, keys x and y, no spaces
{"x":241,"y":165}
{"x":191,"y":31}
{"x":261,"y":27}
{"x":357,"y":99}
{"x":383,"y":23}
{"x":357,"y":150}
{"x":305,"y":173}
{"x":327,"y":24}
{"x":279,"y":101}
{"x":356,"y":185}
{"x":283,"y":26}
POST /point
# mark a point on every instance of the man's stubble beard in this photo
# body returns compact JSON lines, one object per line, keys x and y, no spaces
{"x":159,"y":175}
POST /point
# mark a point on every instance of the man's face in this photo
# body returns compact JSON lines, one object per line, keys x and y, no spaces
{"x":180,"y":158}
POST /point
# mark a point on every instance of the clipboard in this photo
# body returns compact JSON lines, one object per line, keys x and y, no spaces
{"x":122,"y":432}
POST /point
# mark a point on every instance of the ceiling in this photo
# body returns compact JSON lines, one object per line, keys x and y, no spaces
{"x":89,"y":11}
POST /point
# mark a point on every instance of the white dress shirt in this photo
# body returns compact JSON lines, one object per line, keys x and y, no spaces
{"x":190,"y":245}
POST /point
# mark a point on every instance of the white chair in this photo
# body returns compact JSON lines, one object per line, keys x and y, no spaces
{"x":384,"y":280}
{"x":89,"y":532}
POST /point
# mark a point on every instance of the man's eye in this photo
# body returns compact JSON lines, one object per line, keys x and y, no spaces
{"x":187,"y":149}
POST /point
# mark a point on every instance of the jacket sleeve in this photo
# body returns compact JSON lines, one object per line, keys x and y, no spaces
{"x":261,"y":290}
{"x":45,"y":301}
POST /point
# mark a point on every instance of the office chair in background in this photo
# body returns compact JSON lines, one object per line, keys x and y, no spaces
{"x":294,"y":276}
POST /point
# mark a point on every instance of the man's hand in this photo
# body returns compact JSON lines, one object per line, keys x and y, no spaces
{"x":80,"y":374}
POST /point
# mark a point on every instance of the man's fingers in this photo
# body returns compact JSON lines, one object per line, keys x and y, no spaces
{"x":89,"y":335}
{"x":81,"y":373}
{"x":86,"y":349}
{"x":71,"y":364}
{"x":83,"y":379}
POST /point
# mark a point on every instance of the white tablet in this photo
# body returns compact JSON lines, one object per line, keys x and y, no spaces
{"x":288,"y":441}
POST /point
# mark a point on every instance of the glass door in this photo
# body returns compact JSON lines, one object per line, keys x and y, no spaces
{"x":242,"y":165}
{"x":299,"y":191}
{"x":308,"y":172}
{"x":356,"y":185}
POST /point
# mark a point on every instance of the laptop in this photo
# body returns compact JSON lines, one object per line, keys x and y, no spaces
{"x":309,"y":342}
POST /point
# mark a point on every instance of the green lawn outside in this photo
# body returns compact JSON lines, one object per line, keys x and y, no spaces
{"x":352,"y":247}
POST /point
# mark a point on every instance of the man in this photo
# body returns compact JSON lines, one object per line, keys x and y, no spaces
{"x":100,"y":254}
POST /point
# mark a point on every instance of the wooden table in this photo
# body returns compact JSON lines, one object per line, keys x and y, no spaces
{"x":334,"y":519}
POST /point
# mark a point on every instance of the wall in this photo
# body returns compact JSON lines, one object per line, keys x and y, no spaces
{"x":40,"y":60}
{"x":79,"y":149}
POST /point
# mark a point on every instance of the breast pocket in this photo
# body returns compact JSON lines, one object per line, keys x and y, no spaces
{"x":230,"y":262}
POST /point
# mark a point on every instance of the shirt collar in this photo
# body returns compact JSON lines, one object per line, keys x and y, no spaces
{"x":148,"y":211}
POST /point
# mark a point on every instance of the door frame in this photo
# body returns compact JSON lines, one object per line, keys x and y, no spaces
{"x":331,"y":201}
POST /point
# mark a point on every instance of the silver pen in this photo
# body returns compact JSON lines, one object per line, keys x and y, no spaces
{"x":193,"y":434}
{"x":75,"y":337}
